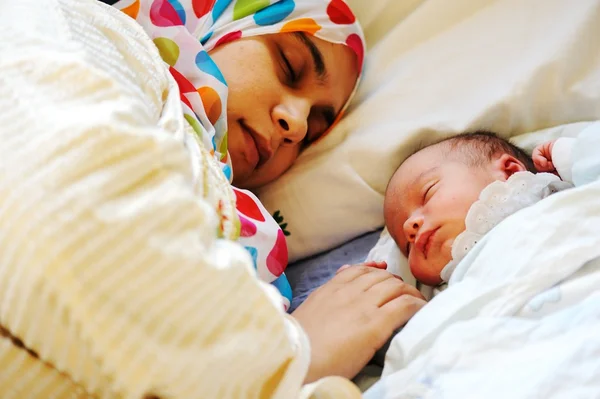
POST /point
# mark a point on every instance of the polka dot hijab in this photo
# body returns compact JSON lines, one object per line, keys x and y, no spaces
{"x":184,"y":30}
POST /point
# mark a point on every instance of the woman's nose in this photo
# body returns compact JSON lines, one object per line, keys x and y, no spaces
{"x":291,"y":120}
{"x":412,"y":226}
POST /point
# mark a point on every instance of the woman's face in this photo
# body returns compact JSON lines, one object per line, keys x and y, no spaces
{"x":285,"y":90}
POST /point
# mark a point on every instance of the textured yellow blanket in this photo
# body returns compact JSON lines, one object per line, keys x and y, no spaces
{"x":113,"y":282}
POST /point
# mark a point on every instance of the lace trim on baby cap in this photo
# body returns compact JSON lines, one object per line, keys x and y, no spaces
{"x":496,"y":202}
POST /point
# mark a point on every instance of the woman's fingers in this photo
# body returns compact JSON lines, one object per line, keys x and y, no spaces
{"x":392,"y":315}
{"x":341,"y":269}
{"x":390,"y":289}
{"x":395,"y":283}
{"x":364,"y":278}
{"x":397,"y":312}
{"x":348,"y":273}
{"x":375,"y":264}
{"x":368,"y":280}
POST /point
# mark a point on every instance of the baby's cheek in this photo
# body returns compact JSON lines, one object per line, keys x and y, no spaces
{"x":458,"y":205}
{"x":447,"y":250}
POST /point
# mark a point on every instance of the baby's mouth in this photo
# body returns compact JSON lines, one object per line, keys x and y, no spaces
{"x":425,"y":240}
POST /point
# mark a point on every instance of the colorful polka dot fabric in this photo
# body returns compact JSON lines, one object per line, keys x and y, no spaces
{"x":184,"y":31}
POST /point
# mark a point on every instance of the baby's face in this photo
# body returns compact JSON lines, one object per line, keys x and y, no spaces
{"x":426,"y":204}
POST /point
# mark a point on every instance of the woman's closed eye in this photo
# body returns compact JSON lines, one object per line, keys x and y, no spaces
{"x":288,"y":69}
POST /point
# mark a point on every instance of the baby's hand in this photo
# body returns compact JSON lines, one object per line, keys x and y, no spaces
{"x":542,"y":157}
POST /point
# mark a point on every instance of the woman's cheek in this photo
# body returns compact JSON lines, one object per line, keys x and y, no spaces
{"x":282,"y":160}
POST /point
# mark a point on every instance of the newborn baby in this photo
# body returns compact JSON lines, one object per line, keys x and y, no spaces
{"x":443,"y":198}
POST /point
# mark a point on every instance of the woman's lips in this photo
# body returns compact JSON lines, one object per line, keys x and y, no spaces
{"x":259,"y":150}
{"x":250,"y":147}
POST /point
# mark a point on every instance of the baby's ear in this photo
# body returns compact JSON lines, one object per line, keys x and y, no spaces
{"x":509,"y":165}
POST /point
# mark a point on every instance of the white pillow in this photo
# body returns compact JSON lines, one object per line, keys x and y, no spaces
{"x":377,"y":18}
{"x":512,"y":66}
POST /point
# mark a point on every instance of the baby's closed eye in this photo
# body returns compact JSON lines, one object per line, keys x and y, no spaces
{"x":429,"y":192}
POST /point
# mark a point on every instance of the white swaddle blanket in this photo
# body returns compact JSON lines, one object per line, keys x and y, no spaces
{"x":521,"y":315}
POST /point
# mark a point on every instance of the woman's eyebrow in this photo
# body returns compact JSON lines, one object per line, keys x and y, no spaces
{"x":316,"y":55}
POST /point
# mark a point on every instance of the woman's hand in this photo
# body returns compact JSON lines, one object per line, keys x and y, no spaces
{"x":352,"y":316}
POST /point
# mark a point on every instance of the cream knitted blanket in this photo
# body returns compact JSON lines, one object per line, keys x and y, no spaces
{"x":112,"y":280}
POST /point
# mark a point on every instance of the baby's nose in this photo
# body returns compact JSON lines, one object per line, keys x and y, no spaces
{"x":411,"y":228}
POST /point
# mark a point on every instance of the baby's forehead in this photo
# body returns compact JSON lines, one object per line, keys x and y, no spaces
{"x":419,"y":163}
{"x":407,"y":177}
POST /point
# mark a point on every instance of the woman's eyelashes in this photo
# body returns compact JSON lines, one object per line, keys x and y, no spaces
{"x":290,"y":60}
{"x":288,"y":69}
{"x":292,"y":56}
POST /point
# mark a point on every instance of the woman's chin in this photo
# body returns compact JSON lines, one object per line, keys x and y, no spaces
{"x":242,"y":172}
{"x":240,"y":181}
{"x":249,"y":182}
